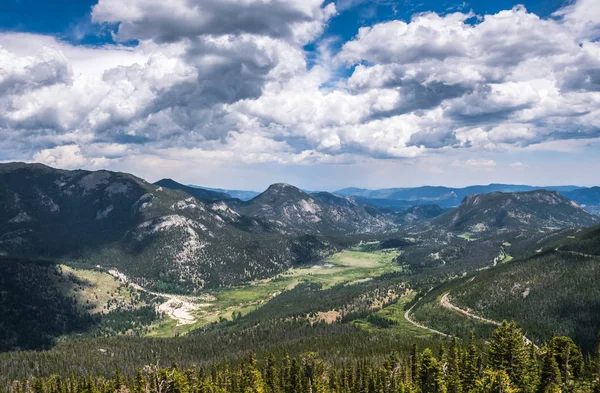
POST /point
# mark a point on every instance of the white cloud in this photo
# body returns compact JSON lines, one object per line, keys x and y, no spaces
{"x":518,"y":164}
{"x":68,"y":157}
{"x":229,"y":81}
{"x":475,"y":163}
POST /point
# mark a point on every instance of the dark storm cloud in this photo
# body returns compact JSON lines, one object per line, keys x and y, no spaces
{"x":171,"y":21}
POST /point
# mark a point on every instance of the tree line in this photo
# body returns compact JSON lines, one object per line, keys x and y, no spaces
{"x":507,"y":364}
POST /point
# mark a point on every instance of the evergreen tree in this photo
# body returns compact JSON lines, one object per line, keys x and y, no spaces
{"x":550,"y":377}
{"x":496,"y":382}
{"x":508,"y":353}
{"x":429,"y":376}
{"x":272,"y":376}
{"x":252,"y":379}
{"x":453,"y":379}
{"x":532,"y":375}
{"x":470,"y":373}
{"x":414,"y":363}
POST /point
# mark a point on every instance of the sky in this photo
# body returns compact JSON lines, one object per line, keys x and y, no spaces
{"x":322,"y":94}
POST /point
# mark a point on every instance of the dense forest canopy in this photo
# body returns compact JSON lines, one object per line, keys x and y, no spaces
{"x":507,"y":364}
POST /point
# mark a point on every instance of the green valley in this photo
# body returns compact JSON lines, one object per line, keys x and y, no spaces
{"x":357,"y":265}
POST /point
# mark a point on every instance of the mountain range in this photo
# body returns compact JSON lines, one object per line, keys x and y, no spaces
{"x":540,"y":210}
{"x":163,"y":238}
{"x":177,"y":238}
{"x":398,"y":198}
{"x":285,"y":253}
{"x":243,"y":195}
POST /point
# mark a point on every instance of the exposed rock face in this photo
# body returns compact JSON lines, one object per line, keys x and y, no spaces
{"x":156,"y":235}
{"x":291,"y":210}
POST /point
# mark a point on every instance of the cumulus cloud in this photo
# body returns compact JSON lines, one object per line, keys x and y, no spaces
{"x":168,"y":21}
{"x":518,"y":164}
{"x":475,"y":163}
{"x":69,"y":157}
{"x":230,"y":81}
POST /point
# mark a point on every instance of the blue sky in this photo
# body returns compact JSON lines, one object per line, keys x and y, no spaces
{"x":241,"y":94}
{"x":70,"y":19}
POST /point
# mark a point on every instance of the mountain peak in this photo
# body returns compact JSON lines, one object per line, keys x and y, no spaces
{"x":540,"y":210}
{"x":282,"y":191}
{"x":196,"y":192}
{"x":282,"y":186}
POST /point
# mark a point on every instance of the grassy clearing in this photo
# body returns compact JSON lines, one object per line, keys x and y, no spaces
{"x":350,"y":266}
{"x":395,"y":314}
{"x":95,"y":291}
{"x":466,"y":236}
{"x":507,"y":258}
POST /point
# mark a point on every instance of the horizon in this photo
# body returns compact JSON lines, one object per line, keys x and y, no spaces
{"x":323,"y":94}
{"x":314,"y":190}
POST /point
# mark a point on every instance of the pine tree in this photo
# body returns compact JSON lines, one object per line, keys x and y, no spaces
{"x":508,"y":353}
{"x":272,"y":376}
{"x":252,"y":379}
{"x":429,"y":376}
{"x":496,"y":382}
{"x":532,"y":375}
{"x":139,"y":385}
{"x":414,"y":363}
{"x":295,"y":383}
{"x":453,"y":380}
{"x":470,"y":373}
{"x":550,"y":377}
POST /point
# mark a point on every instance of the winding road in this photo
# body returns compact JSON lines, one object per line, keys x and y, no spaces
{"x":410,"y":320}
{"x":445,"y":302}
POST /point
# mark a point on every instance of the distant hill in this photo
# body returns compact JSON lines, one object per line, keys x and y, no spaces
{"x":443,"y":196}
{"x":162,"y":238}
{"x":588,"y":198}
{"x":200,"y":193}
{"x":488,"y":229}
{"x":554,"y":291}
{"x":535,"y":210}
{"x":294,"y":211}
{"x":243,"y":195}
{"x":419,"y":213}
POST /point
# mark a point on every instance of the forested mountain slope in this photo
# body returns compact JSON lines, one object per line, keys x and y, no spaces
{"x":496,"y":212}
{"x":41,"y":301}
{"x":162,"y":238}
{"x":199,"y":193}
{"x":486,"y":230}
{"x":291,"y":210}
{"x":443,"y":196}
{"x":554,"y":291}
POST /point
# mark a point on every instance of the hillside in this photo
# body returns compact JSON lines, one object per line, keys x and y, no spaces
{"x":553,"y":291}
{"x":443,"y":196}
{"x":199,"y":193}
{"x":41,"y":301}
{"x":292,"y":210}
{"x":33,"y":311}
{"x":244,"y":195}
{"x":540,"y":210}
{"x":161,"y":238}
{"x":588,"y":198}
{"x":486,"y":230}
{"x":419,"y":213}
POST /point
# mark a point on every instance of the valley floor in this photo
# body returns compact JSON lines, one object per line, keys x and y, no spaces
{"x":186,"y":313}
